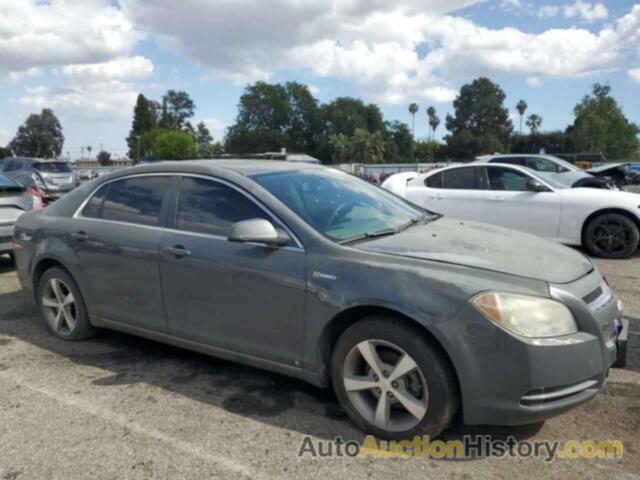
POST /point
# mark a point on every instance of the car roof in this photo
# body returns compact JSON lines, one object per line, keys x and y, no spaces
{"x":240,"y":166}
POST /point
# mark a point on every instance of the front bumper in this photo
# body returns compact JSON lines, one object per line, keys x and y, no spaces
{"x":511,"y":380}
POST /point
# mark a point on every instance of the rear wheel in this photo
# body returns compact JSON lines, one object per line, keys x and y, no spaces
{"x":391,"y":381}
{"x":612,"y":235}
{"x":62,"y":306}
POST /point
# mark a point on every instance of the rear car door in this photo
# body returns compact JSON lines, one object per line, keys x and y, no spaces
{"x":455,"y":192}
{"x":116,"y":237}
{"x":247,"y":298}
{"x":510,"y":203}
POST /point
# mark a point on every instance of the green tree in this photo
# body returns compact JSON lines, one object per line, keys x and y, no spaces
{"x":202,"y":135}
{"x":210,"y":150}
{"x":177,"y":109}
{"x":551,"y":142}
{"x":104,"y":158}
{"x":480,"y":123}
{"x":434,"y":121}
{"x":399,"y":146}
{"x":40,"y":136}
{"x":428,"y":151}
{"x":601,"y":126}
{"x":305,"y":122}
{"x":171,"y":144}
{"x":144,"y":120}
{"x":4,"y":152}
{"x":534,"y":122}
{"x":362,"y":147}
{"x":413,"y":109}
{"x":521,"y":107}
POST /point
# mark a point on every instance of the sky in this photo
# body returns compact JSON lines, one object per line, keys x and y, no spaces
{"x":89,"y":59}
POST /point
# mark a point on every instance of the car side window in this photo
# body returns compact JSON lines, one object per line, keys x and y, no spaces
{"x":93,"y":209}
{"x":507,"y":179}
{"x":544,"y":165}
{"x":207,"y":206}
{"x":12,"y":166}
{"x":434,"y":181}
{"x":510,"y":160}
{"x":461,"y":179}
{"x":136,"y":200}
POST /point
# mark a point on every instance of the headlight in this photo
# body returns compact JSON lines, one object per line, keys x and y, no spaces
{"x":526,"y":315}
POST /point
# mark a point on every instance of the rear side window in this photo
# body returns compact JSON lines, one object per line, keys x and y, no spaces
{"x":93,"y":209}
{"x":461,"y":179}
{"x":434,"y":181}
{"x":206,"y":206}
{"x":135,"y":200}
{"x":507,"y":179}
{"x":52,"y":167}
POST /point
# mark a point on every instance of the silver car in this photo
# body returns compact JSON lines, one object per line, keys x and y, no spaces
{"x":52,"y":178}
{"x":15,"y":199}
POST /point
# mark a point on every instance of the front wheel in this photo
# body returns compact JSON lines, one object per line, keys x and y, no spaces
{"x":612,"y":235}
{"x":391,"y":381}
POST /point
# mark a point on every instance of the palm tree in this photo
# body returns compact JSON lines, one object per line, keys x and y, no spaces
{"x":89,"y":148}
{"x":534,"y":122}
{"x":521,"y":107}
{"x":434,"y":121}
{"x":413,"y":109}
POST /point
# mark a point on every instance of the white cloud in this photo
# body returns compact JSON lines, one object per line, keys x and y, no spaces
{"x":548,"y":11}
{"x":313,"y":89}
{"x":586,"y":11}
{"x":21,"y":75}
{"x":374,"y":44}
{"x":121,"y":68}
{"x":511,"y":4}
{"x":35,"y":33}
{"x":534,"y":82}
{"x":634,"y":74}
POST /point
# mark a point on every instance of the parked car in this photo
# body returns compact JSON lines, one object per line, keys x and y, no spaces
{"x":15,"y":199}
{"x":52,"y":178}
{"x":605,"y":222}
{"x":554,"y":168}
{"x":314,"y":273}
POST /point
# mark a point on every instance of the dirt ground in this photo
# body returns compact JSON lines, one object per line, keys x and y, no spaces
{"x":118,"y":407}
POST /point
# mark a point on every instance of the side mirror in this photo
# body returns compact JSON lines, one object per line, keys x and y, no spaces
{"x":257,"y":230}
{"x":534,"y":185}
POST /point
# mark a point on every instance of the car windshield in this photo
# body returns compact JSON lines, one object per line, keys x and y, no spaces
{"x":52,"y":167}
{"x":338,"y":205}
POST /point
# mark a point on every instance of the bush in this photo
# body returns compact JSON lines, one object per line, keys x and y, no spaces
{"x":171,"y":144}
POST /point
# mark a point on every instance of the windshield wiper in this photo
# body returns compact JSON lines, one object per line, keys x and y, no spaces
{"x":368,"y":235}
{"x":410,"y":223}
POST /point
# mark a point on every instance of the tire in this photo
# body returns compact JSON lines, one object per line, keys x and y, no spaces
{"x":392,"y":339}
{"x":70,"y":322}
{"x":611,"y":235}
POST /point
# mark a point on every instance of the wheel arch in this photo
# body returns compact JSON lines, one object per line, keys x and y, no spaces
{"x":603,"y":211}
{"x":349,"y":316}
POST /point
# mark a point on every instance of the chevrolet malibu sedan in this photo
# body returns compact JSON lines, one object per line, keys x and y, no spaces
{"x":307,"y":271}
{"x":605,"y":222}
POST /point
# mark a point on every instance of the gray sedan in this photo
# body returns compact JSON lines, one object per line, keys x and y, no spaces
{"x":15,"y":199}
{"x":308,"y":271}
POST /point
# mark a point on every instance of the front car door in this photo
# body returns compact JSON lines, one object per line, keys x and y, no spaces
{"x":455,"y":192}
{"x":510,"y":203}
{"x":246,"y":298}
{"x":116,"y":237}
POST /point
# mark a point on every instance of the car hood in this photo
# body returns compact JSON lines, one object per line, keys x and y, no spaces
{"x":480,"y":245}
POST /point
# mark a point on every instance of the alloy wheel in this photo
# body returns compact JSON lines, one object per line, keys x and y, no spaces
{"x":385,"y":385}
{"x":611,"y":236}
{"x":59,"y":307}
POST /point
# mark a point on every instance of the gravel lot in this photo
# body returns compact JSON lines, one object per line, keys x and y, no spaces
{"x":121,"y":407}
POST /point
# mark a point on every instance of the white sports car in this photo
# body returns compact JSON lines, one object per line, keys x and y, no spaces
{"x":606,"y":222}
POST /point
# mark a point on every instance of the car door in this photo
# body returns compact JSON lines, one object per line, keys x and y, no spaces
{"x":246,"y":298}
{"x":510,"y":203}
{"x":116,"y":238}
{"x":455,"y":192}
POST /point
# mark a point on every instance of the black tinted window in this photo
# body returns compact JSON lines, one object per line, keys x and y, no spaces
{"x":461,"y":179}
{"x":211,"y":207}
{"x":511,"y":160}
{"x":12,"y":165}
{"x":94,"y":207}
{"x":434,"y":181}
{"x":507,"y":179}
{"x":135,"y":200}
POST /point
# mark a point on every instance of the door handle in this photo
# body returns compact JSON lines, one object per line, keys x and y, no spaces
{"x":496,"y":199}
{"x":178,"y":251}
{"x":80,"y":236}
{"x":437,"y":197}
